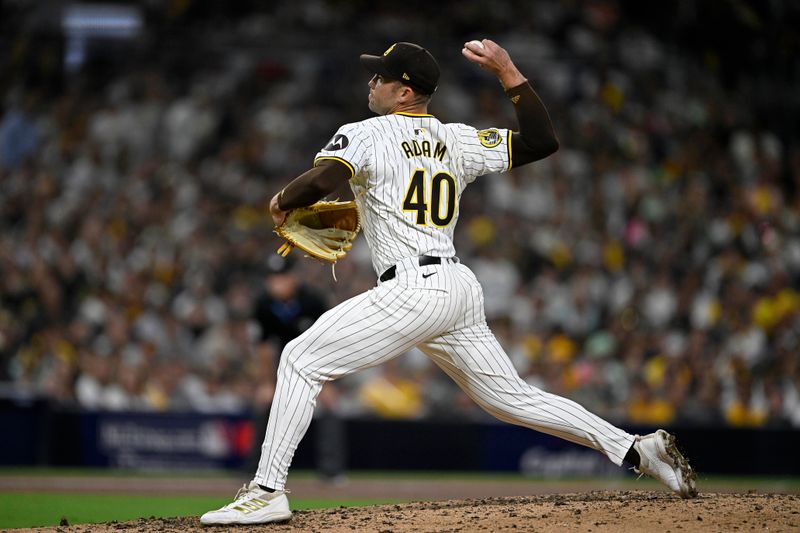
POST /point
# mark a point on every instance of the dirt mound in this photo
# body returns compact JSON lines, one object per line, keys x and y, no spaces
{"x":592,"y":511}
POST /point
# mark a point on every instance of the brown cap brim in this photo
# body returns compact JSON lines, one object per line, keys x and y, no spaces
{"x":375,"y":65}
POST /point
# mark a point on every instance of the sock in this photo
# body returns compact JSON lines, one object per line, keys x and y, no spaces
{"x":262,"y":487}
{"x":633,"y":457}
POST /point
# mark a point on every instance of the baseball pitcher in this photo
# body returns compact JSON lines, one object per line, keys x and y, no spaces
{"x":408,"y":172}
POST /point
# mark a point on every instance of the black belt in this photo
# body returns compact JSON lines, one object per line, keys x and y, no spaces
{"x":423,"y":261}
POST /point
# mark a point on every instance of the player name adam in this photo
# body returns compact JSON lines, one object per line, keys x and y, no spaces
{"x":423,"y":149}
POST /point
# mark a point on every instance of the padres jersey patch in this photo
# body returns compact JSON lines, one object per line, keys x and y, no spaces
{"x":490,"y":138}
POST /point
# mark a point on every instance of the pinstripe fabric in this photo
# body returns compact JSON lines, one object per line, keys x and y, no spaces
{"x":442,"y":315}
{"x":438,"y":308}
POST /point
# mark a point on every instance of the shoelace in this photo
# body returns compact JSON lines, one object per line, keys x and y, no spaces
{"x":637,"y":471}
{"x":242,"y":492}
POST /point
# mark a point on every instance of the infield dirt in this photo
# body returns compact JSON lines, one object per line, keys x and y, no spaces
{"x":597,"y":511}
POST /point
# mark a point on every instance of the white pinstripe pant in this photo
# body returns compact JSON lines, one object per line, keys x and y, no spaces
{"x":443,"y":316}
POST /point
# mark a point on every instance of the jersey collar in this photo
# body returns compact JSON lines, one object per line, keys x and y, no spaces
{"x":405,"y":114}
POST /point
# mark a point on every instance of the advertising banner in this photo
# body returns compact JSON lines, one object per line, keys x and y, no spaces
{"x":165,"y":441}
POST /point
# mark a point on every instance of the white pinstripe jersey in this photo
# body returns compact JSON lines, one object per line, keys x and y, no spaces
{"x":409,"y":172}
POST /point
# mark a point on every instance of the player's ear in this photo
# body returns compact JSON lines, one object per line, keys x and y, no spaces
{"x":406,"y":93}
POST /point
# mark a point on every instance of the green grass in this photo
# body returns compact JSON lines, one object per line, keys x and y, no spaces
{"x":32,"y":509}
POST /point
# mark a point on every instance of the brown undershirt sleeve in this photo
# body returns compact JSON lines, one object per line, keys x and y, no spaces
{"x":536,"y":138}
{"x":314,"y":184}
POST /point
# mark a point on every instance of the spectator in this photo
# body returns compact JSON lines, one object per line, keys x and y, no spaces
{"x":19,"y":131}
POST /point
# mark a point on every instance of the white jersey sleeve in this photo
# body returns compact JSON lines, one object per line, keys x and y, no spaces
{"x":484,"y":151}
{"x":350,"y":145}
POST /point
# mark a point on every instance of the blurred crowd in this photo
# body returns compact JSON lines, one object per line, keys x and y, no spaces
{"x":649,"y":270}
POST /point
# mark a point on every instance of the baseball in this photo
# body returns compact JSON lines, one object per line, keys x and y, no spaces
{"x":477,"y":43}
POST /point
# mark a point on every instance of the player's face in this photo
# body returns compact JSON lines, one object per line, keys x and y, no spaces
{"x":382,"y":94}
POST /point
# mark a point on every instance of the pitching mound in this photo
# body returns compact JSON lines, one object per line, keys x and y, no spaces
{"x":593,"y":511}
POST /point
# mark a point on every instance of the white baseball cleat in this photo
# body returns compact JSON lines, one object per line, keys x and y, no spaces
{"x":660,"y":458}
{"x":252,"y":505}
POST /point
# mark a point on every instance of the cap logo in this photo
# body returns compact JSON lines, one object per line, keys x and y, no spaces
{"x":405,"y":77}
{"x":388,"y":50}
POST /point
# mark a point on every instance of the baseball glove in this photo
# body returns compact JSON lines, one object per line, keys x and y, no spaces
{"x":324,"y":230}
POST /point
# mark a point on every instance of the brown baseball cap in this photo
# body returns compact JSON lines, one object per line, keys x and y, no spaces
{"x":407,"y":63}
